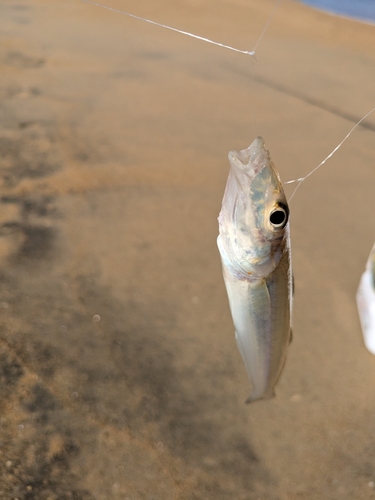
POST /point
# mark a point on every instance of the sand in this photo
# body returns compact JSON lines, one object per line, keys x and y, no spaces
{"x":120,"y":376}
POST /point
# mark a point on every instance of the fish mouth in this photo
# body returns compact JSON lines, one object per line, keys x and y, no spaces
{"x":249,"y":161}
{"x":252,"y":155}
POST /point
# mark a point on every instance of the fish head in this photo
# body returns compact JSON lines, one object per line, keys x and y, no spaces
{"x":253,"y":221}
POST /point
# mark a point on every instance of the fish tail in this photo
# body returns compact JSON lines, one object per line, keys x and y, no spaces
{"x":255,"y":395}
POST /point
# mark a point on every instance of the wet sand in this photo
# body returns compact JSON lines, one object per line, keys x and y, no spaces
{"x":120,"y":377}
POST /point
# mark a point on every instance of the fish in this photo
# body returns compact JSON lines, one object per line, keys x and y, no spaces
{"x":254,"y":246}
{"x":366,"y":302}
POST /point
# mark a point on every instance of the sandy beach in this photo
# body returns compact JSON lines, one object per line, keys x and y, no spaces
{"x":120,"y":375}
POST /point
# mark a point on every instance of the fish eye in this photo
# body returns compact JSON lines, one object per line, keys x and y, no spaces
{"x":279,"y":217}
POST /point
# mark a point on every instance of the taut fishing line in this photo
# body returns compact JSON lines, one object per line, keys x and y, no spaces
{"x":252,"y":54}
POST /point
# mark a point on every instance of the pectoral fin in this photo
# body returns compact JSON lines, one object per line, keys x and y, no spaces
{"x":262,"y":301}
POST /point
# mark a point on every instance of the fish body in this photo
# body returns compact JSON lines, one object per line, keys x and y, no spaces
{"x":254,"y":246}
{"x":366,"y":302}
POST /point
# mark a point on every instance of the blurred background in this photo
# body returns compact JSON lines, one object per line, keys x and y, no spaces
{"x":120,"y":376}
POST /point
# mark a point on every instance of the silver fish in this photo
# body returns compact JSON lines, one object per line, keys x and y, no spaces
{"x":372,"y":266}
{"x":254,"y":246}
{"x":366,"y":302}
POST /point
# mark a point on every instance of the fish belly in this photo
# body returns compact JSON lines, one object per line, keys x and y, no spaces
{"x":261,"y":315}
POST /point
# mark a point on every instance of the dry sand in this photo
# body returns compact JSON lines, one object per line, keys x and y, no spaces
{"x":114,"y":137}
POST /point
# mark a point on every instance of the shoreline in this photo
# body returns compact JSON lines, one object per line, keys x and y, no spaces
{"x":342,"y":15}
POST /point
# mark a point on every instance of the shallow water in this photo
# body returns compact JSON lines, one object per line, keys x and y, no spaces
{"x":360,"y":9}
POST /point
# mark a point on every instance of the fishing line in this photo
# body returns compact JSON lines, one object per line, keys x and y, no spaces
{"x":266,"y":25}
{"x":251,"y":53}
{"x":301,"y":179}
{"x":201,"y":38}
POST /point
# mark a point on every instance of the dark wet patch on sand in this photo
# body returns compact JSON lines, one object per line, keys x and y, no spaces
{"x":21,"y":60}
{"x":27,"y":153}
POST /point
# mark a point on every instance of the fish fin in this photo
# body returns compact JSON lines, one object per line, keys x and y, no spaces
{"x":263,"y":297}
{"x":293,"y":286}
{"x":269,"y":394}
{"x":290,"y":336}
